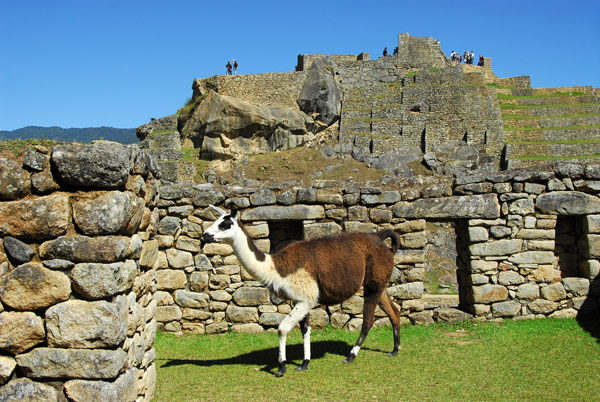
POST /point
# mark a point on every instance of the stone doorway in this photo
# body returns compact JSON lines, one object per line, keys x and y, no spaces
{"x":282,"y":233}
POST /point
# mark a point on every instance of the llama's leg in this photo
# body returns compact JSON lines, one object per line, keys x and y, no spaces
{"x":305,"y":328}
{"x":299,"y":311}
{"x":390,"y":309}
{"x":371,"y":298}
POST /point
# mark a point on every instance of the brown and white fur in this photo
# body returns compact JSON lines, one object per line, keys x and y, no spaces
{"x":326,"y":270}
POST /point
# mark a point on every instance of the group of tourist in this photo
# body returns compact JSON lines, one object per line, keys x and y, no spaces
{"x":467,"y":58}
{"x":231,"y":67}
{"x":385,"y":52}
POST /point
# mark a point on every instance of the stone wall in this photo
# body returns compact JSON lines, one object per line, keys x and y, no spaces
{"x":76,"y":279}
{"x":269,"y":89}
{"x":527,"y":244}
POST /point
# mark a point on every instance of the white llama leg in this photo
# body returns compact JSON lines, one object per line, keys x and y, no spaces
{"x":299,"y":311}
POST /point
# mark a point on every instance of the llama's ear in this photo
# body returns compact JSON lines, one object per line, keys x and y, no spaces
{"x":234,"y":211}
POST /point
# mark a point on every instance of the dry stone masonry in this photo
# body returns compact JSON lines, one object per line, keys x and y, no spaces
{"x":527,"y":246}
{"x":76,"y":279}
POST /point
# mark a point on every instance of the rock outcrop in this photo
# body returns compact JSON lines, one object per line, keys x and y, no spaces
{"x":223,"y":126}
{"x":320,"y":94}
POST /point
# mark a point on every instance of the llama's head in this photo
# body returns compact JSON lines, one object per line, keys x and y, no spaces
{"x":224,"y":229}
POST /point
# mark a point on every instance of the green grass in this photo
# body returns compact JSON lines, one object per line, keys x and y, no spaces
{"x":525,"y":117}
{"x":590,"y":141}
{"x":554,"y":95}
{"x":506,"y":106}
{"x":511,"y":128}
{"x":541,"y":360}
{"x":555,"y":158}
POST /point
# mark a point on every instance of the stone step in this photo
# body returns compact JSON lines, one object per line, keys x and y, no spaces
{"x":560,"y":150}
{"x":554,"y":122}
{"x":432,"y":301}
{"x":528,"y":163}
{"x":588,"y":133}
{"x":554,"y":111}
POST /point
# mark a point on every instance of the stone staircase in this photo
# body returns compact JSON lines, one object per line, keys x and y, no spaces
{"x":165,"y":147}
{"x":548,"y":125}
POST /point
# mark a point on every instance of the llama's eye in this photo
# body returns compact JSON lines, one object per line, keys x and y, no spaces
{"x":226,"y":224}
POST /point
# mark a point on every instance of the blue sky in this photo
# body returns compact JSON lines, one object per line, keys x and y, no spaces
{"x":77,"y":63}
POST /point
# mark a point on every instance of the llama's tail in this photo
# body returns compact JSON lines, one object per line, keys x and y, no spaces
{"x":385,"y":233}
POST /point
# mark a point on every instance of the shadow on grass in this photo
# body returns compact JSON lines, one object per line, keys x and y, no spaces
{"x":268,"y":357}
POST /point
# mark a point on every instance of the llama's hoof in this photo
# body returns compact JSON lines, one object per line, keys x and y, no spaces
{"x":350,"y":359}
{"x":393,"y":353}
{"x":304,"y":366}
{"x":281,"y":370}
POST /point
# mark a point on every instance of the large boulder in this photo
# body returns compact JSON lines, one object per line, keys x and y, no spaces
{"x":223,"y":126}
{"x":102,"y":164}
{"x":320,"y":93}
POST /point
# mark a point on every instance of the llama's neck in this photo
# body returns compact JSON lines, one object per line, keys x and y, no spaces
{"x":257,"y":263}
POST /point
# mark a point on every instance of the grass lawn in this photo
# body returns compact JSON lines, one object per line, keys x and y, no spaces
{"x":537,"y":360}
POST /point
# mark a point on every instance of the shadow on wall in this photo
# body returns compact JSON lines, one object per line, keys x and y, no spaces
{"x":590,"y":322}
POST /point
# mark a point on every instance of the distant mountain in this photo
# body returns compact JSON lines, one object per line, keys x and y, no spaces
{"x":122,"y":135}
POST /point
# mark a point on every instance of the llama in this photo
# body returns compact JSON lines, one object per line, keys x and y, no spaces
{"x":326,"y":270}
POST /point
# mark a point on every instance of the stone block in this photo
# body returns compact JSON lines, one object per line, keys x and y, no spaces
{"x":185,"y":298}
{"x":20,"y":331}
{"x":7,"y":367}
{"x":484,"y":206}
{"x":406,"y":291}
{"x":532,"y":257}
{"x":488,"y":294}
{"x":26,"y":390}
{"x":415,"y":240}
{"x":528,"y":291}
{"x":483,"y":266}
{"x":40,"y":218}
{"x":567,"y":203}
{"x":284,"y":213}
{"x":168,"y":313}
{"x":577,"y":286}
{"x":86,"y":249}
{"x":72,"y":363}
{"x":478,"y":234}
{"x":541,"y":306}
{"x":87,"y":325}
{"x":312,"y":230}
{"x":31,"y":287}
{"x":509,"y":308}
{"x":241,"y":315}
{"x":170,"y":279}
{"x":510,"y":278}
{"x":179,"y":259}
{"x":251,"y":296}
{"x":554,"y":292}
{"x":97,"y":281}
{"x":496,"y":248}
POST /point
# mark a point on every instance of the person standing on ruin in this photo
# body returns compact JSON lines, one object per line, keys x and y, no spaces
{"x":228,"y":67}
{"x":385,"y":52}
{"x":235,"y":66}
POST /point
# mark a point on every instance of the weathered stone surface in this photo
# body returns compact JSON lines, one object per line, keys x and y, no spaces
{"x":31,"y":287}
{"x":528,"y":291}
{"x":168,"y":313}
{"x":169,"y":225}
{"x":86,"y":249}
{"x":386,"y":197}
{"x":227,"y":126}
{"x":36,"y":219}
{"x":313,"y":230}
{"x":554,"y":292}
{"x":14,"y":181}
{"x":487,"y":294}
{"x":18,"y":252}
{"x":499,"y":247}
{"x":179,"y":259}
{"x":254,"y":296}
{"x":25,"y":390}
{"x":320,"y":93}
{"x":541,"y":306}
{"x":450,"y":315}
{"x":87,"y":325}
{"x":7,"y":367}
{"x":406,"y":291}
{"x":510,"y":278}
{"x":72,"y":363}
{"x":283,"y":213}
{"x":149,"y":254}
{"x":107,"y":213}
{"x":98,"y":281}
{"x":189,"y":299}
{"x":577,"y":286}
{"x":170,"y":279}
{"x":484,"y":206}
{"x":241,"y":314}
{"x":532,"y":257}
{"x":20,"y":331}
{"x":509,"y":308}
{"x":272,"y":319}
{"x":567,"y":203}
{"x":101,"y":164}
